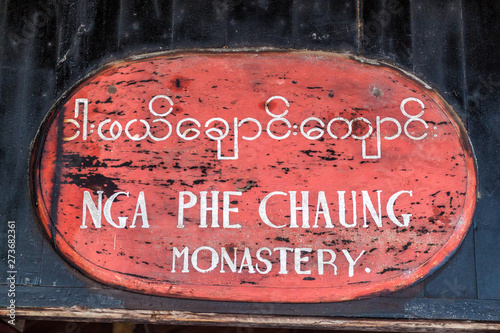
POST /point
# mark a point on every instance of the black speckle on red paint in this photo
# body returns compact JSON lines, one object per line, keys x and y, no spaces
{"x":177,"y":110}
{"x":389,"y":269}
{"x":179,"y":83}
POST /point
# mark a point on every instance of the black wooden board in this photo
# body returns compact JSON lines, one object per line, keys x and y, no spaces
{"x":47,"y":46}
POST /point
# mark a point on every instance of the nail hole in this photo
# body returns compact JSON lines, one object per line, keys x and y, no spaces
{"x":377,"y":92}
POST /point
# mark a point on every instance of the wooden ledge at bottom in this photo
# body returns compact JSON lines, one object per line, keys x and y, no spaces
{"x":216,"y":319}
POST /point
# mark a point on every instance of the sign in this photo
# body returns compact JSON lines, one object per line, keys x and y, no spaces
{"x":261,"y":177}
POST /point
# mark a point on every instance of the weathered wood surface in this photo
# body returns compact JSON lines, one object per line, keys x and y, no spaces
{"x":216,"y":319}
{"x":409,"y":205}
{"x":450,"y":44}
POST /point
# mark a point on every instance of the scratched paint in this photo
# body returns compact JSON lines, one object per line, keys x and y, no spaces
{"x":265,"y":177}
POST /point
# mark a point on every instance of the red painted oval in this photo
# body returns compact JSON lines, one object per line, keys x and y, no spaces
{"x":335,"y":178}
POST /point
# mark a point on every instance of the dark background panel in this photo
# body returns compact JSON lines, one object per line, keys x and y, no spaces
{"x":381,"y":307}
{"x":386,"y":31}
{"x":74,"y":24}
{"x":452,"y":45}
{"x":327,"y":25}
{"x":259,"y":23}
{"x":144,"y":26}
{"x":65,"y":275}
{"x":23,"y":91}
{"x":27,"y":31}
{"x":198,"y":24}
{"x":438,"y":48}
{"x":481,"y":22}
{"x":457,"y":277}
{"x":488,"y":271}
{"x":27,"y":88}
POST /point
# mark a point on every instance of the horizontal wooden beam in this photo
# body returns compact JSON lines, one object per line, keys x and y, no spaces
{"x":216,"y":319}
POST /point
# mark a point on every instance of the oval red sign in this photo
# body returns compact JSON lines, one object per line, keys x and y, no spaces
{"x":273,"y":177}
